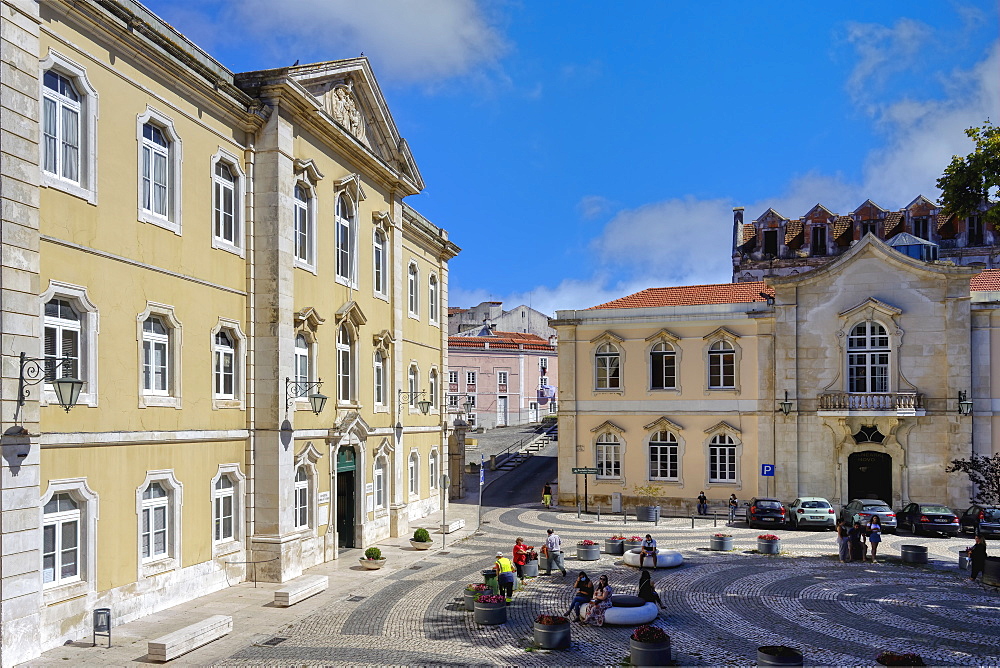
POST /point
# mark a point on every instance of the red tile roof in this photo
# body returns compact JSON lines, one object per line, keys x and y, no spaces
{"x":693,"y":295}
{"x":501,"y":341}
{"x":987,"y":281}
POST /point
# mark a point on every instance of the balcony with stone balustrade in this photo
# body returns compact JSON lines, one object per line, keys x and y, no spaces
{"x":845,"y":404}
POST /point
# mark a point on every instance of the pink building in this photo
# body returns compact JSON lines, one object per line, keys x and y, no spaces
{"x":509,"y":377}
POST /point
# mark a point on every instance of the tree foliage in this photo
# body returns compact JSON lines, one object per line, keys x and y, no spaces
{"x":970,"y":184}
{"x":984,"y":473}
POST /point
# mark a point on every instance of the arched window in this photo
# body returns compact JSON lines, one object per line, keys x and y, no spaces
{"x":608,"y":367}
{"x":224,"y":352}
{"x":868,"y":358}
{"x":345,"y":239}
{"x":432,"y":389}
{"x":722,"y":365}
{"x":379,"y":264}
{"x":609,"y":456}
{"x":722,"y":459}
{"x":302,"y":365}
{"x":663,"y":464}
{"x":156,"y":360}
{"x":225,"y":204}
{"x":345,"y":365}
{"x":662,"y":367}
{"x":223,"y":509}
{"x":379,"y":483}
{"x":62,"y":339}
{"x":301,"y":498}
{"x":413,"y":474}
{"x":60,"y":127}
{"x":432,"y":469}
{"x":432,"y":299}
{"x":156,"y":181}
{"x":411,"y":385}
{"x":379,"y":379}
{"x":61,"y":522}
{"x":413,"y":280}
{"x":155,"y":522}
{"x":303,"y":215}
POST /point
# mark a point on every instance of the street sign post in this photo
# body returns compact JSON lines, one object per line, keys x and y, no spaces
{"x":584,"y":471}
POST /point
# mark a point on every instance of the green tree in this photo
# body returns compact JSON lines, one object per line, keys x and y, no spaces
{"x":984,"y":473}
{"x":970,"y":184}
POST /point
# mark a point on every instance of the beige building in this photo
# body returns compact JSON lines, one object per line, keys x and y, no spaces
{"x":844,"y":380}
{"x":204,"y":251}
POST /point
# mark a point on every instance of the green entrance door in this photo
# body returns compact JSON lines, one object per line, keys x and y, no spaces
{"x":346,"y":470}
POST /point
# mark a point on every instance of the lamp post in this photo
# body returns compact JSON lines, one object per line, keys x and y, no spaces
{"x":33,"y":370}
{"x":786,"y":405}
{"x":964,"y":403}
{"x":424,"y":405}
{"x":295,"y":389}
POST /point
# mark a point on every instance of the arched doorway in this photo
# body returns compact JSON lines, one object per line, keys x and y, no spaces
{"x":869,"y":476}
{"x":346,"y":471}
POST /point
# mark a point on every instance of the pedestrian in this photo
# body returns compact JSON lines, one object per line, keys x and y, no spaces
{"x":601,"y":602}
{"x":648,"y":548}
{"x":702,"y":503}
{"x":843,"y":544}
{"x":977,"y":556}
{"x":647,"y":591}
{"x":856,"y":537}
{"x":733,"y":505}
{"x":875,"y":535}
{"x":520,"y":554}
{"x":584,"y":594}
{"x":553,"y":550}
{"x":547,"y":495}
{"x":505,"y":576}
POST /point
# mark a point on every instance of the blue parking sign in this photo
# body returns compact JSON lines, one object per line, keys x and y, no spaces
{"x":767,"y":470}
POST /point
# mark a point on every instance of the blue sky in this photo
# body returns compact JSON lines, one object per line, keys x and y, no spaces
{"x":580,"y":151}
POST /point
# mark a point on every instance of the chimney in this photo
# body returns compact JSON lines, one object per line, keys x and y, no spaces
{"x":737,"y":227}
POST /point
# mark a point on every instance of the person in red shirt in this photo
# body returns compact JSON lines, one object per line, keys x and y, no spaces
{"x":520,"y":557}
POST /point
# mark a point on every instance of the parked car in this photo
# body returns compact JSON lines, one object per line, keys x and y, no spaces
{"x":982,"y":520}
{"x":929,"y":517}
{"x":766,"y":512}
{"x":862,"y":510}
{"x":812,"y":511}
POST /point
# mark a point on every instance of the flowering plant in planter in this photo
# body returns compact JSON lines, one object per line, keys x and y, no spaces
{"x":551,"y":620}
{"x":479,"y":586}
{"x":636,"y":539}
{"x":768,"y":536}
{"x":490,"y":598}
{"x":586,"y":542}
{"x":723,"y":535}
{"x":888,"y":658}
{"x":373,"y":554}
{"x":648,"y":633}
{"x":617,"y":537}
{"x":531,"y":555}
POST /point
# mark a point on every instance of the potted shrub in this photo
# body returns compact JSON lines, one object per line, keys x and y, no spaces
{"x":373,"y":559}
{"x":768,"y":543}
{"x":649,"y":646}
{"x":778,"y":655}
{"x":490,"y":609}
{"x":530,"y":568}
{"x":646,"y":511}
{"x":633,"y":542}
{"x":552,"y":632}
{"x":588,"y":550}
{"x":474,"y":591}
{"x":614,"y":545}
{"x":888,"y":658}
{"x":720,"y":542}
{"x":421,"y":539}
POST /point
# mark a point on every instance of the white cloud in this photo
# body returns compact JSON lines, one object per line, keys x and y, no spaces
{"x":593,"y":206}
{"x":882,"y":51}
{"x":424,"y":42}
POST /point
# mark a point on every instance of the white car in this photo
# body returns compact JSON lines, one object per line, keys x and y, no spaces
{"x":812,"y":511}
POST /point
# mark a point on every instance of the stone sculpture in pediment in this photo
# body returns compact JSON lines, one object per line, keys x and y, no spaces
{"x":340,"y":102}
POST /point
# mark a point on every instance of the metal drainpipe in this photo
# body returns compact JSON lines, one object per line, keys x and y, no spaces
{"x":249,"y":384}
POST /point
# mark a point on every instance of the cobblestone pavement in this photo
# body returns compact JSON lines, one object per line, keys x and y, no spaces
{"x":720,"y":605}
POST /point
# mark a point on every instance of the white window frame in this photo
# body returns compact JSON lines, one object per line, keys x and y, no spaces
{"x":300,"y":507}
{"x":221,"y":353}
{"x":718,"y":352}
{"x":608,"y":449}
{"x":154,"y":564}
{"x":433,"y":390}
{"x":172,"y":396}
{"x":304,"y":211}
{"x":502,"y":377}
{"x":664,"y":351}
{"x":235,"y":332}
{"x":380,"y":264}
{"x":665,"y":444}
{"x":470,"y":377}
{"x":719,"y":446}
{"x":90,"y":328}
{"x":346,"y":366}
{"x":85,"y":187}
{"x":607,"y":376}
{"x":453,"y":400}
{"x":413,"y":474}
{"x":433,"y":299}
{"x":543,"y":365}
{"x":346,"y":230}
{"x":172,"y":219}
{"x":378,"y":385}
{"x":413,"y":290}
{"x":453,"y":377}
{"x":88,"y":510}
{"x":863,"y":357}
{"x":413,"y":386}
{"x":226,"y":158}
{"x":59,"y":521}
{"x":433,"y":473}
{"x":306,"y":461}
{"x":379,"y":479}
{"x":235,"y":543}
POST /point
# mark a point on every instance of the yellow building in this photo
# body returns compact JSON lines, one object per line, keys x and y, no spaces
{"x":208,"y":253}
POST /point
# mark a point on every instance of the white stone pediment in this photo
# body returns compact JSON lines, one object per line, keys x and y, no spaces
{"x":606,"y":336}
{"x":664,"y":335}
{"x":608,"y":425}
{"x":352,"y":313}
{"x":871,"y":305}
{"x":664,"y":424}
{"x":724,"y":427}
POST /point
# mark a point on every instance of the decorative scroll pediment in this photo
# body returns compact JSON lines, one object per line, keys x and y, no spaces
{"x":309,"y":318}
{"x":383,"y":339}
{"x":607,"y":335}
{"x":723,"y":333}
{"x":869,"y":308}
{"x":308,"y":455}
{"x":383,"y":448}
{"x":724,"y":427}
{"x":664,"y":335}
{"x":308,"y":171}
{"x":382,"y":221}
{"x":352,"y":313}
{"x":351,"y":424}
{"x":608,"y":425}
{"x":663,"y":424}
{"x":352,"y":184}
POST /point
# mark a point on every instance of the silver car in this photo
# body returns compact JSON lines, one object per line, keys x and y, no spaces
{"x":812,"y":511}
{"x":862,"y":510}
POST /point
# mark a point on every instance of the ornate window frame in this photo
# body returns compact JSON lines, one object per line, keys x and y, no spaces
{"x":666,"y":338}
{"x":413,"y":290}
{"x":611,"y":341}
{"x":306,"y":460}
{"x":89,"y":506}
{"x":90,"y":327}
{"x":235,"y":475}
{"x":413,"y":475}
{"x":607,"y":434}
{"x":175,"y":161}
{"x":350,"y":225}
{"x":239,"y":186}
{"x":732,"y":339}
{"x":175,"y":503}
{"x":886,"y":315}
{"x":175,"y":348}
{"x":433,"y":300}
{"x":672,"y":428}
{"x":239,"y":362}
{"x":727,"y":430}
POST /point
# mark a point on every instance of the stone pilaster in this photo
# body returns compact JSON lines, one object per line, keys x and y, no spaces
{"x":20,"y":534}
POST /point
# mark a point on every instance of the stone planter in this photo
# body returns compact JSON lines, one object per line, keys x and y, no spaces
{"x":778,"y":655}
{"x":372,"y":564}
{"x":769,"y":547}
{"x":647,"y":513}
{"x":489,"y":613}
{"x":530,"y":569}
{"x":630,"y":545}
{"x":419,"y":545}
{"x":470,"y":598}
{"x":543,"y":562}
{"x":552,"y":636}
{"x":913,"y":554}
{"x":720,"y":544}
{"x":649,"y":653}
{"x":612,"y":546}
{"x":588,"y":552}
{"x":963,"y":560}
{"x":991,"y":571}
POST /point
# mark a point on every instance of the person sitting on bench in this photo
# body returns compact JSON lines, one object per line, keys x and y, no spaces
{"x":648,"y":548}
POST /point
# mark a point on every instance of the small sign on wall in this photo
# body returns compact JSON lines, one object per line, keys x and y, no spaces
{"x":370,"y":503}
{"x":324,"y":497}
{"x":321,"y":514}
{"x":369,"y":488}
{"x":767,"y":469}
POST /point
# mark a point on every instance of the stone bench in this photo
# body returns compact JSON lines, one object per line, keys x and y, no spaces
{"x":300,"y":589}
{"x":169,"y":647}
{"x":454,"y":525}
